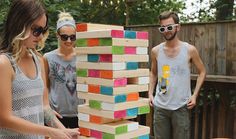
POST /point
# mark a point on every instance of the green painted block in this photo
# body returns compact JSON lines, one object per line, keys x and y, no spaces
{"x":122,"y":129}
{"x":105,"y":42}
{"x":95,"y":104}
{"x":135,"y":138}
{"x":143,"y":110}
{"x":82,"y":72}
{"x":81,"y":43}
{"x":118,"y":49}
{"x":108,"y":136}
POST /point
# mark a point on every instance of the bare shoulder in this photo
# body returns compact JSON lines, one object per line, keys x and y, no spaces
{"x":155,"y":50}
{"x":5,"y":66}
{"x":192,"y":50}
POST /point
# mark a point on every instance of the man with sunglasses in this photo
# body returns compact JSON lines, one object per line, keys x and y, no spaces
{"x":60,"y":67}
{"x":170,"y":81}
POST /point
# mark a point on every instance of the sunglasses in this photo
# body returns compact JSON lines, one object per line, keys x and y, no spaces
{"x":167,"y":28}
{"x":37,"y":31}
{"x":65,"y":37}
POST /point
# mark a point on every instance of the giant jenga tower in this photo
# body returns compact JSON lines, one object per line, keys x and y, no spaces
{"x":109,"y":79}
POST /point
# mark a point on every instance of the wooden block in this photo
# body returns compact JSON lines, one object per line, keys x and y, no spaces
{"x":82,"y":57}
{"x":82,"y":87}
{"x":92,"y":89}
{"x":141,"y":51}
{"x":142,"y":35}
{"x":92,"y":42}
{"x":125,"y":58}
{"x":100,"y":34}
{"x":113,"y":128}
{"x":93,"y":58}
{"x":130,"y":34}
{"x":100,"y":50}
{"x":106,"y":82}
{"x":84,"y":117}
{"x":132,"y":65}
{"x":130,"y":50}
{"x":109,"y":74}
{"x":138,"y":80}
{"x":93,"y":73}
{"x":95,"y":104}
{"x":81,"y":72}
{"x":104,"y":98}
{"x":106,"y":114}
{"x":132,"y":96}
{"x":96,"y":134}
{"x":101,"y":66}
{"x":132,"y":112}
{"x":125,"y":105}
{"x":143,"y":110}
{"x":84,"y":131}
{"x":100,"y":120}
{"x":123,"y":90}
{"x":129,"y":42}
{"x":92,"y":27}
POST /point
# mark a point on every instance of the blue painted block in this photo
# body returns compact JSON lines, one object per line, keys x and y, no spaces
{"x":132,"y":112}
{"x":93,"y":58}
{"x":144,"y":137}
{"x":130,"y":34}
{"x":106,"y":90}
{"x":131,"y":65}
{"x":120,"y":98}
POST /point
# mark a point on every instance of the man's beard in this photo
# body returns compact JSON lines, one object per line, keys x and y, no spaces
{"x":171,"y":38}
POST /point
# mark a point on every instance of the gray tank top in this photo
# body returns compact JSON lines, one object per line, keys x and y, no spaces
{"x":27,"y":100}
{"x":173,"y":89}
{"x":62,"y":75}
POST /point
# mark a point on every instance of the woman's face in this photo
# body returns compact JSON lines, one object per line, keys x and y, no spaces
{"x":66,"y":37}
{"x":35,"y":32}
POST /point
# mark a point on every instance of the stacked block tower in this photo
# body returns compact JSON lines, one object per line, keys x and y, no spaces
{"x":109,"y":79}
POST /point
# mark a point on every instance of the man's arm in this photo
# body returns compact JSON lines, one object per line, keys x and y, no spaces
{"x":194,"y":56}
{"x":153,"y":74}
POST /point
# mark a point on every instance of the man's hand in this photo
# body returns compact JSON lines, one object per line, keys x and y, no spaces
{"x":192,"y":102}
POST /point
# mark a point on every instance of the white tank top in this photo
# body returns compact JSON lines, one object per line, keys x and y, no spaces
{"x":173,"y":89}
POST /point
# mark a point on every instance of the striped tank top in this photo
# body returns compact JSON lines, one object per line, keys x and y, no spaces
{"x":27,"y":99}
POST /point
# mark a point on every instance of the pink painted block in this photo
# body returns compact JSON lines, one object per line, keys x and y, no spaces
{"x":117,"y":33}
{"x":93,"y":73}
{"x":105,"y":58}
{"x":142,"y":35}
{"x":120,"y":82}
{"x":96,"y":134}
{"x":130,"y":50}
{"x":120,"y":114}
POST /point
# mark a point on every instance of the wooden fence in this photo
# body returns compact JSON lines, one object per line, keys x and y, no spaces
{"x":215,"y":114}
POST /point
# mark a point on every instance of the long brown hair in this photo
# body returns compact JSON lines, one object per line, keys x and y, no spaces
{"x":21,"y":16}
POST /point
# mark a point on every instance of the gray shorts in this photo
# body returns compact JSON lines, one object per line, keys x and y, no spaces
{"x":171,"y":124}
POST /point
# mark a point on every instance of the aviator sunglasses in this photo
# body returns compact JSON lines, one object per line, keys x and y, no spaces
{"x":167,"y":28}
{"x":65,"y":37}
{"x":37,"y":31}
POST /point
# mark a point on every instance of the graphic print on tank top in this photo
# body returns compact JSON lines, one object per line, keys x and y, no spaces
{"x":163,"y":81}
{"x":65,"y":75}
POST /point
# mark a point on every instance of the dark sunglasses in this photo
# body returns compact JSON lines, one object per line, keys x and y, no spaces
{"x":65,"y":37}
{"x":167,"y":28}
{"x":37,"y":31}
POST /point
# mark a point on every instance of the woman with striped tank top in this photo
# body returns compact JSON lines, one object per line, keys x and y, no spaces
{"x":24,"y":103}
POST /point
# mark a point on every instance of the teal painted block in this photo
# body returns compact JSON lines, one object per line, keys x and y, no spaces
{"x":120,"y":98}
{"x":132,"y":112}
{"x":131,"y":65}
{"x":118,"y":50}
{"x":81,"y":43}
{"x":144,"y":137}
{"x":130,"y":34}
{"x":143,"y":110}
{"x":106,"y":90}
{"x":82,"y":72}
{"x":93,"y":57}
{"x":105,"y":42}
{"x":95,"y":104}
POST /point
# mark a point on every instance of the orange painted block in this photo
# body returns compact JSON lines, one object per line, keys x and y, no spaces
{"x":108,"y":74}
{"x":132,"y":96}
{"x":81,"y":27}
{"x":94,"y":88}
{"x":84,"y":131}
{"x":93,"y":42}
{"x":95,"y":119}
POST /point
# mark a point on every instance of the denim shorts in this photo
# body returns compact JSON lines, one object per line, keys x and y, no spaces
{"x":171,"y":124}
